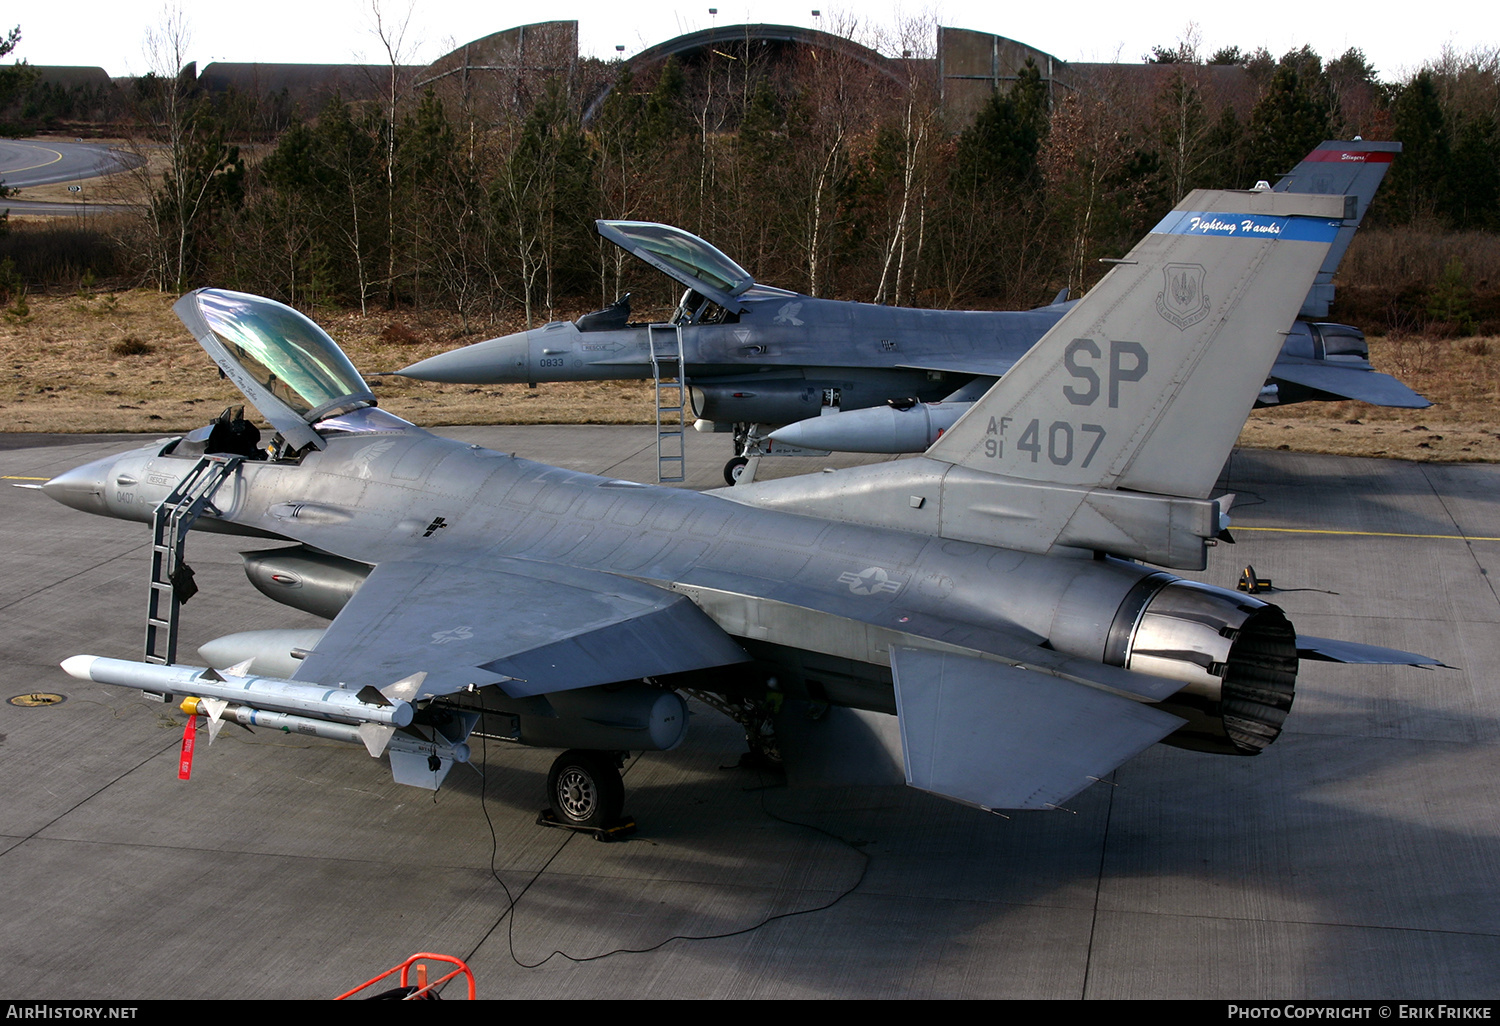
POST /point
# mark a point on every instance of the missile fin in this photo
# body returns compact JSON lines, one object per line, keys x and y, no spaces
{"x":416,"y":769}
{"x":404,"y":689}
{"x":372,"y":696}
{"x":375,"y":736}
{"x":215,"y":708}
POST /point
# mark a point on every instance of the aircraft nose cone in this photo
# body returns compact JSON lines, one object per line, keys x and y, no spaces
{"x":498,"y":361}
{"x":82,"y":487}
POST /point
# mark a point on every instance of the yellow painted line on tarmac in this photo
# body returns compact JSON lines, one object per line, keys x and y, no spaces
{"x":56,"y":156}
{"x":15,"y":477}
{"x":1365,"y":534}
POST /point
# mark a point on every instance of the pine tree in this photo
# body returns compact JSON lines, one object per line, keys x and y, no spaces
{"x":1288,"y":122}
{"x":997,"y":154}
{"x":1418,"y":179}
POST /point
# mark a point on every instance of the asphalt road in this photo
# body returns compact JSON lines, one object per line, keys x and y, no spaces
{"x":26,"y":163}
{"x":1356,"y":858}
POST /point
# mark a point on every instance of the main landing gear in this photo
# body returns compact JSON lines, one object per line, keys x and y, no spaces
{"x":585,"y":792}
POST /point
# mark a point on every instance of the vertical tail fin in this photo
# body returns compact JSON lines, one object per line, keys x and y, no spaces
{"x":1146,"y":383}
{"x":1354,"y":168}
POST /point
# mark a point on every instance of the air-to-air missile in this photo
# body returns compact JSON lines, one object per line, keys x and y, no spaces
{"x":367,"y":705}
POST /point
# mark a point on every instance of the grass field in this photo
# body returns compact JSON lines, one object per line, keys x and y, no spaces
{"x":120,"y":361}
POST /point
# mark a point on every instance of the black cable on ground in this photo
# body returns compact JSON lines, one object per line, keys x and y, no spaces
{"x":513,"y":899}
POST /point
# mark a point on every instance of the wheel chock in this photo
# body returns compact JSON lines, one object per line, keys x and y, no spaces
{"x":614,"y":832}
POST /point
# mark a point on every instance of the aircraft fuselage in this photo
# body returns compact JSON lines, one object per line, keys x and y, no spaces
{"x":776,"y":362}
{"x":818,"y":603}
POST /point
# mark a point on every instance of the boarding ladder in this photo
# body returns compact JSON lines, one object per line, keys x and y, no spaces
{"x":171,"y":578}
{"x":669,"y":374}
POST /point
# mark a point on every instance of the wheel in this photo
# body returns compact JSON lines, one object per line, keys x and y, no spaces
{"x":734,"y":468}
{"x":585,"y":789}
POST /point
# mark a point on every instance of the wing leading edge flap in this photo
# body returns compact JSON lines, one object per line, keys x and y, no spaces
{"x":531,"y":628}
{"x":999,"y":737}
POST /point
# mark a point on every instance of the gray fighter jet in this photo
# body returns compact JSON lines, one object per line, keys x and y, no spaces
{"x":978,"y":622}
{"x":755,"y":357}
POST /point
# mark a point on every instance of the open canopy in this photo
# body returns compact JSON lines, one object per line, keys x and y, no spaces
{"x":683,"y":256}
{"x":286,"y":365}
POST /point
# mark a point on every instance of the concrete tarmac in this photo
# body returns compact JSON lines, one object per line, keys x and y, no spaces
{"x":1356,"y":858}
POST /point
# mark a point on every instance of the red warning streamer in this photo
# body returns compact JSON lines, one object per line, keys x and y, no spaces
{"x":189,"y":738}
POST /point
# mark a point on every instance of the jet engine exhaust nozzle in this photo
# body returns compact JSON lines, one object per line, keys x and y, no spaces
{"x":1237,"y":654}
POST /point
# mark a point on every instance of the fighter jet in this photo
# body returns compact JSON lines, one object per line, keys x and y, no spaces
{"x":755,"y":357}
{"x":978,"y":622}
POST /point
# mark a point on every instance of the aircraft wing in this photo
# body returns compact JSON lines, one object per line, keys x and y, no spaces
{"x":1367,"y":386}
{"x":530,"y":628}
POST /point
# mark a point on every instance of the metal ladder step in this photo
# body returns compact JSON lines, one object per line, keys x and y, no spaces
{"x":669,"y":376}
{"x":171,"y":579}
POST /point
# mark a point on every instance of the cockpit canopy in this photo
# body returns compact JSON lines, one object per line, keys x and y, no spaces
{"x":683,"y":256}
{"x":286,"y":365}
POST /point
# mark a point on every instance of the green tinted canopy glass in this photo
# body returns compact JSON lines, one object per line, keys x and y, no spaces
{"x":683,"y":255}
{"x":283,"y":351}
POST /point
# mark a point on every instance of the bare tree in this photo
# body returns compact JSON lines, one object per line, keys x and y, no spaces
{"x":201,"y":171}
{"x":921,"y":131}
{"x":834,"y":103}
{"x":1085,"y":163}
{"x":391,"y":30}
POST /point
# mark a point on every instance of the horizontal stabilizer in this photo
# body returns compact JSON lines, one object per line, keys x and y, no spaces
{"x":1329,"y":650}
{"x":1367,"y":386}
{"x":971,"y":392}
{"x":999,"y":737}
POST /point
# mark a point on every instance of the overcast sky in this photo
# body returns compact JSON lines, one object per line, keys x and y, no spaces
{"x":111,"y":33}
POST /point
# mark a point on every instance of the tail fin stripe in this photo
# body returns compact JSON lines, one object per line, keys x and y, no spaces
{"x":1251,"y":226}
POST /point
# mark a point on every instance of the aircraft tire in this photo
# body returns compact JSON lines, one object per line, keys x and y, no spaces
{"x":734,"y":468}
{"x":584,"y":788}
